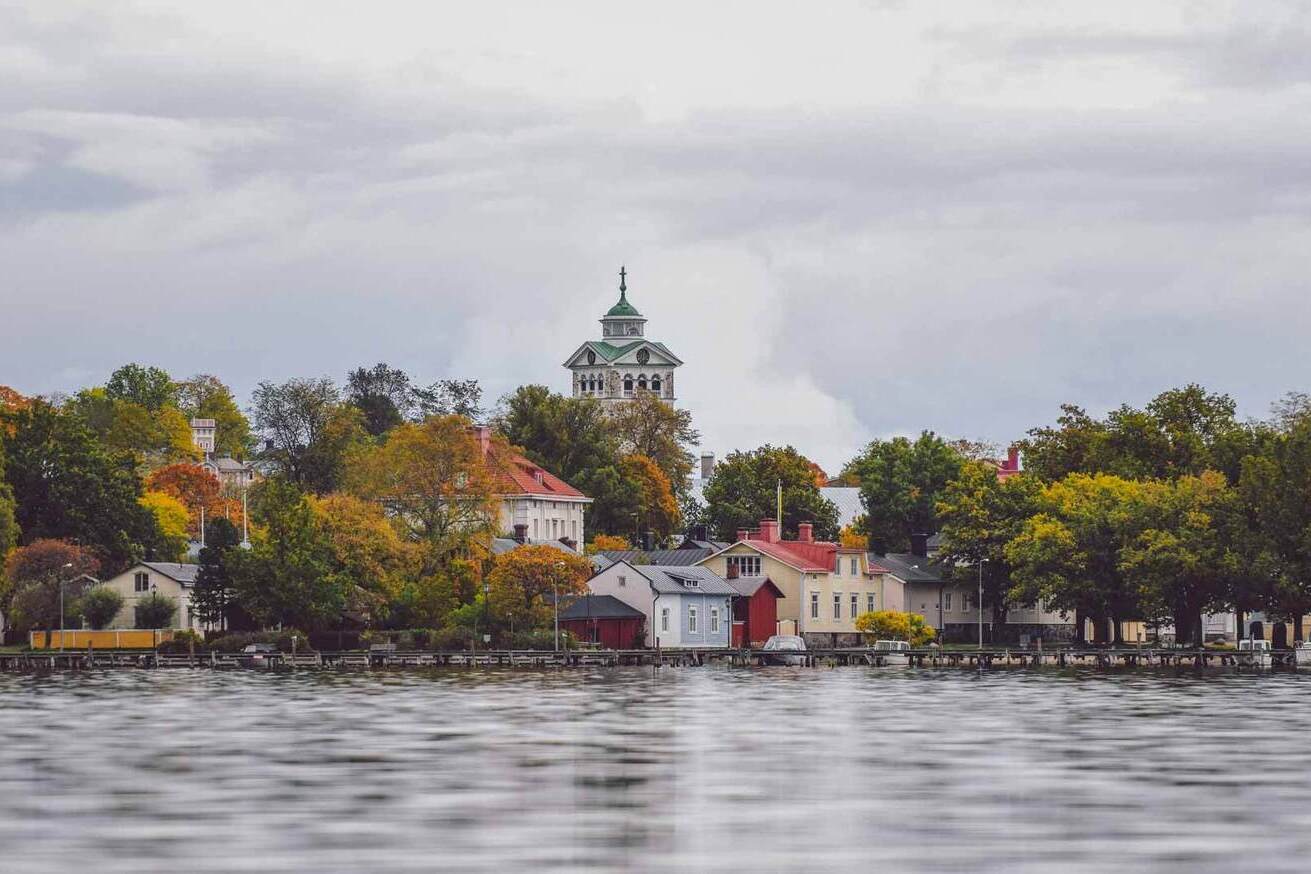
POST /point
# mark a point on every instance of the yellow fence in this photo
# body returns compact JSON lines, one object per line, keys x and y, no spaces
{"x":99,"y":639}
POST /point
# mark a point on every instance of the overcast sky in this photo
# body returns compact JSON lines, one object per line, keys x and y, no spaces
{"x":850,"y":220}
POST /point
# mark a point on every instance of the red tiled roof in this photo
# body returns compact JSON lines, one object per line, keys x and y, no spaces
{"x":813,"y":556}
{"x":516,"y":475}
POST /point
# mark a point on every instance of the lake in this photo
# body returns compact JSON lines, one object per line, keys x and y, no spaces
{"x":699,"y":769}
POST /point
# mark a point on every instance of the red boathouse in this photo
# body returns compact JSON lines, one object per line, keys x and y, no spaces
{"x":604,"y":620}
{"x":755,"y":610}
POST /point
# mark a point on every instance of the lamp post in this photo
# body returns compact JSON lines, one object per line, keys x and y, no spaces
{"x":555,"y":589}
{"x":62,"y":581}
{"x":487,"y":628}
{"x":982,"y":562}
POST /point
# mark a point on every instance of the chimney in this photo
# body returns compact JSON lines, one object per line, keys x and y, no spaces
{"x":699,"y":532}
{"x":742,"y":534}
{"x":805,"y":532}
{"x":521,"y":533}
{"x":648,"y":541}
{"x":732,"y":571}
{"x":707,"y":465}
{"x":769,"y":530}
{"x":919,"y":545}
{"x":484,"y":435}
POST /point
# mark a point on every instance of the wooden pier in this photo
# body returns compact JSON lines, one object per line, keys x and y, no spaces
{"x":984,"y":659}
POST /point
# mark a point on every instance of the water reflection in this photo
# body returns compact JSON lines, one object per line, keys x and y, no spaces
{"x":677,"y":770}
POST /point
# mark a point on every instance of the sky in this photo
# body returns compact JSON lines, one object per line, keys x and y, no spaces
{"x":850,"y":219}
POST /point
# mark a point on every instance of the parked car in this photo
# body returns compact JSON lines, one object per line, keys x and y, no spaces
{"x":783,"y":649}
{"x":258,"y":655}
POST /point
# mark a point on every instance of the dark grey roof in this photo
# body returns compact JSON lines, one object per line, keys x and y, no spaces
{"x":600,"y":607}
{"x":183,"y":573}
{"x":909,"y":567}
{"x":668,"y":579}
{"x":673,"y":557}
{"x":501,"y":545}
{"x":748,"y":586}
{"x":712,"y":545}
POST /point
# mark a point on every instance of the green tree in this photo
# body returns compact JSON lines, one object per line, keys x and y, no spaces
{"x":9,"y":531}
{"x":571,"y":437}
{"x":156,"y":610}
{"x":978,"y":515}
{"x":1068,"y":554}
{"x":66,"y":487}
{"x":204,"y":396}
{"x":99,"y":605}
{"x":287,"y":577}
{"x":901,"y":482}
{"x":212,"y":594}
{"x":310,"y":431}
{"x":382,"y":394}
{"x":744,"y":490}
{"x":450,"y":397}
{"x":147,"y":387}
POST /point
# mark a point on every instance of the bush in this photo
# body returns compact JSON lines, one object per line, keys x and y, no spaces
{"x":237,"y":641}
{"x":156,"y":611}
{"x":451,"y":638}
{"x":541,"y":640}
{"x":100,"y":605}
{"x":184,"y":641}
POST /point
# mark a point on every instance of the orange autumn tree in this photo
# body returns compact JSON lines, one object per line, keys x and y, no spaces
{"x":433,"y":482}
{"x":607,"y":543}
{"x":524,"y":582}
{"x":195,"y":487}
{"x":657,"y":506}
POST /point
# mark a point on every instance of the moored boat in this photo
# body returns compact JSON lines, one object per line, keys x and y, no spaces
{"x":1302,"y":654}
{"x":1254,"y":653}
{"x":894,"y":653}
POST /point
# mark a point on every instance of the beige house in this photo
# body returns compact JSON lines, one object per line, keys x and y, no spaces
{"x":171,"y":579}
{"x":825,"y":586}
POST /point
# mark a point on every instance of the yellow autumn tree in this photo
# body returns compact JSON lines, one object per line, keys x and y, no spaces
{"x":895,"y":625}
{"x":607,"y":543}
{"x":173,"y":520}
{"x":523,"y":582}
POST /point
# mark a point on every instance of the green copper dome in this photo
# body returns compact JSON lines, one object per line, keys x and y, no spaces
{"x":623,"y":309}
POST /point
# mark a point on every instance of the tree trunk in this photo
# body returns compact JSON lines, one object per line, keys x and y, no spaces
{"x":1117,"y":631}
{"x":1239,"y":615}
{"x":1297,"y":628}
{"x":1079,"y":619}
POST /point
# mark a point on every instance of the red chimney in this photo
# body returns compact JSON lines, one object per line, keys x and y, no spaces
{"x":743,"y":534}
{"x":769,"y":530}
{"x":805,"y":532}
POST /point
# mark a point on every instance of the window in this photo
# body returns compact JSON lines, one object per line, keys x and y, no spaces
{"x":573,"y":530}
{"x":837,"y":605}
{"x":869,"y":603}
{"x":855,"y":566}
{"x":855,"y":605}
{"x":691,"y":620}
{"x":814,"y":605}
{"x":747,"y":565}
{"x":628,"y":384}
{"x":623,"y":580}
{"x":534,"y":529}
{"x":641,"y":381}
{"x":664,"y":618}
{"x":141,"y":582}
{"x":837,"y":567}
{"x":655,"y":384}
{"x":946,"y":602}
{"x":714,"y":620}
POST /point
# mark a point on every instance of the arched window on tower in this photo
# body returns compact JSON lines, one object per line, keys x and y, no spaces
{"x":628,"y":384}
{"x":641,"y":382}
{"x":655,"y":383}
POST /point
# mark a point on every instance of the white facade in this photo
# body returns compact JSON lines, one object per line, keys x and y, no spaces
{"x":203,"y":434}
{"x":544,"y":519}
{"x":694,"y":614}
{"x":623,"y":363}
{"x":167,"y":578}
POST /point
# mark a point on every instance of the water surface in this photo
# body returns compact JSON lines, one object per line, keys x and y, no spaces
{"x":777,"y":769}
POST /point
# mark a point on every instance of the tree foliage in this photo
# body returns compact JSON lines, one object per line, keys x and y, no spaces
{"x":99,"y":605}
{"x":33,"y":573}
{"x":156,"y":610}
{"x":900,"y":483}
{"x":204,"y":396}
{"x":524,"y":581}
{"x":172,"y":522}
{"x":148,"y":387}
{"x":744,"y":490}
{"x":308,"y":431}
{"x":895,"y":625}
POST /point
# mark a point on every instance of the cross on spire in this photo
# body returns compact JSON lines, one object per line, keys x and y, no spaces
{"x":623,"y":274}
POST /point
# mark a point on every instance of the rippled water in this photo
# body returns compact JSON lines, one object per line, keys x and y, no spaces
{"x":677,"y":770}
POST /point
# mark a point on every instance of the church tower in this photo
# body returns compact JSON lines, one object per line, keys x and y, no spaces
{"x":623,"y":363}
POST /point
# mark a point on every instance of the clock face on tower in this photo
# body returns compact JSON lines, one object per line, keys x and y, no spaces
{"x":643,"y":356}
{"x":591,"y":357}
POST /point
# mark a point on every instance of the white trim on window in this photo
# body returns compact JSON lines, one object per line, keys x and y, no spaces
{"x":691,"y":620}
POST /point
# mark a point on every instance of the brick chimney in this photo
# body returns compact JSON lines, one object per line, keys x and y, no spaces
{"x":484,"y":435}
{"x":805,"y":532}
{"x":742,"y":534}
{"x":769,"y":530}
{"x":732,"y":572}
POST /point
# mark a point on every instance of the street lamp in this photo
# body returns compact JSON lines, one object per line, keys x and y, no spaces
{"x":487,"y":628}
{"x":62,"y":582}
{"x":555,"y":589}
{"x":982,"y":562}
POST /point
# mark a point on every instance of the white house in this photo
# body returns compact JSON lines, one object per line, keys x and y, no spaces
{"x":685,"y":606}
{"x":174,"y":580}
{"x":536,"y":505}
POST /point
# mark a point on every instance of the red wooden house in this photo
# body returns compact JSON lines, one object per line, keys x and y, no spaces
{"x":755,"y":610}
{"x":604,"y":620}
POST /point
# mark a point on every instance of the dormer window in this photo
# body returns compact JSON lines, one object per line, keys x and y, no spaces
{"x":537,"y":476}
{"x":690,"y":583}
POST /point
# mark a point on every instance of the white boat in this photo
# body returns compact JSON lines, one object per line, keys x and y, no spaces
{"x":784,"y":649}
{"x":1302,"y":655}
{"x":894,"y":653}
{"x":1254,"y":653}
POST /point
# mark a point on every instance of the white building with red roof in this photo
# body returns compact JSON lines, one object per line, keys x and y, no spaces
{"x":536,"y":505}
